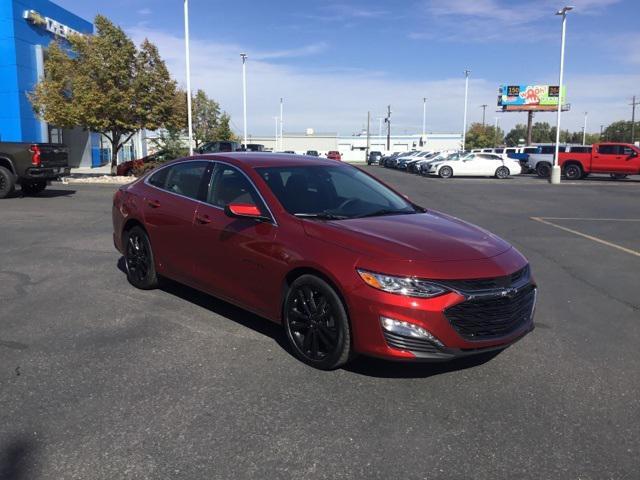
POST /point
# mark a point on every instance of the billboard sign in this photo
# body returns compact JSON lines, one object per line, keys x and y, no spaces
{"x":529,"y":97}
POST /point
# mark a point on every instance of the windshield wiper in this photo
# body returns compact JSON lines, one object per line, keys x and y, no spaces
{"x":321,"y":216}
{"x":386,"y":211}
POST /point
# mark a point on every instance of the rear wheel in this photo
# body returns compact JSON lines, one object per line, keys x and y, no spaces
{"x":33,"y":188}
{"x":573,"y":171}
{"x":316,"y":323}
{"x":7,"y":182}
{"x":502,"y":173}
{"x":543,"y":169}
{"x":138,"y":257}
{"x":445,"y":172}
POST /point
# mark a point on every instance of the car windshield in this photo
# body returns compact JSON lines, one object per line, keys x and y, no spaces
{"x":332,"y":193}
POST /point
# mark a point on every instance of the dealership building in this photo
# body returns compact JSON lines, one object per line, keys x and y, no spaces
{"x":27,"y":27}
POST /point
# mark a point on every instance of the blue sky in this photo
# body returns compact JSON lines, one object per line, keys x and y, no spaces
{"x":333,"y":61}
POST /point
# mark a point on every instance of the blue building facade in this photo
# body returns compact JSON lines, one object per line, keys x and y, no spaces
{"x":27,"y":27}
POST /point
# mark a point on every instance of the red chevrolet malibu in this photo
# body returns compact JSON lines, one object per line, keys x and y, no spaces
{"x":345,"y":264}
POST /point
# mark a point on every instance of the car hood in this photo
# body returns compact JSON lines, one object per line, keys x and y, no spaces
{"x":431,"y":236}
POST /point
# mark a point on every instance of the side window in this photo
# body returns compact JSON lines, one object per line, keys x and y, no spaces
{"x":627,"y":151}
{"x":185,"y":178}
{"x":229,"y":185}
{"x":608,"y":149}
{"x":159,"y":178}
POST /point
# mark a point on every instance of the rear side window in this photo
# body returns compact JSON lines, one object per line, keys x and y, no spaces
{"x":581,"y":149}
{"x":184,"y":178}
{"x":230,"y":185}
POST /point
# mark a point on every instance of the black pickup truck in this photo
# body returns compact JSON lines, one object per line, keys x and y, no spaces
{"x":31,"y":165}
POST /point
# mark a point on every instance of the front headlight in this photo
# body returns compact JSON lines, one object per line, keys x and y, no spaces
{"x":410,"y":287}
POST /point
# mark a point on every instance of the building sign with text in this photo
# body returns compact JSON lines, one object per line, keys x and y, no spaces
{"x":49,"y":24}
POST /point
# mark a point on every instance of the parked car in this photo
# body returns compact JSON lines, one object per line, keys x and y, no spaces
{"x":220,"y":146}
{"x":406,"y":160}
{"x":387,"y":158}
{"x":127,"y":168}
{"x":425,"y":166}
{"x":254,"y":147}
{"x":31,"y":165}
{"x":343,"y":262}
{"x":616,"y":159}
{"x":313,"y":153}
{"x":374,"y":158}
{"x":334,"y":155}
{"x":542,"y":160}
{"x":477,"y":165}
{"x":398,"y":159}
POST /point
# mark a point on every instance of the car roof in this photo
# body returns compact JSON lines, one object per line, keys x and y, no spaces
{"x":265,"y":159}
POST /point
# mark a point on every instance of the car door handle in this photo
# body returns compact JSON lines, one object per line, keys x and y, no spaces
{"x":203,"y":219}
{"x":153,"y":203}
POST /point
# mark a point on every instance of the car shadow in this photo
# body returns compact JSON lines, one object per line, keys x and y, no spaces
{"x":222,"y":308}
{"x":15,"y":457}
{"x":361,"y":365}
{"x":48,"y":193}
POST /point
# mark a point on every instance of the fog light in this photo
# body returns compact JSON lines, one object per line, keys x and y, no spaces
{"x":406,"y":329}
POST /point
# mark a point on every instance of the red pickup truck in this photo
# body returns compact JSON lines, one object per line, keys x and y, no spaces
{"x":616,"y":159}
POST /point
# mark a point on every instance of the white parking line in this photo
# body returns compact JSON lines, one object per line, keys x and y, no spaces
{"x":546,"y":221}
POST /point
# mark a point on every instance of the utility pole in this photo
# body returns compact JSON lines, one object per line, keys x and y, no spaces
{"x":496,"y":139}
{"x":529,"y":126}
{"x":366,"y":159}
{"x":484,"y":108}
{"x":281,"y":125}
{"x":188,"y":64}
{"x":388,"y":122}
{"x":244,"y":96}
{"x":466,"y":97}
{"x":633,"y":117}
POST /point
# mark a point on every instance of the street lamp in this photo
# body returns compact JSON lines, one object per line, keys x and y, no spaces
{"x":496,"y":135}
{"x":466,"y":96}
{"x":188,"y":63}
{"x":584,"y":129}
{"x":424,"y":117}
{"x":244,"y":96}
{"x":555,"y":170}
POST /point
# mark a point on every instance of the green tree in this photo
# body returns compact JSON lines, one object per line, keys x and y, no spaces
{"x":223,"y":130}
{"x":620,"y":131}
{"x":172,"y":142}
{"x":517,"y":133}
{"x":106,"y":85}
{"x":206,"y":118}
{"x":482,"y":136}
{"x":541,"y":133}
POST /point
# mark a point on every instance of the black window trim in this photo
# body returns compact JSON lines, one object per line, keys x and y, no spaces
{"x":209,"y":173}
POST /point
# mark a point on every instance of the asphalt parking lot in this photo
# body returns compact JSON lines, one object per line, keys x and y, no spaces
{"x":102,"y":381}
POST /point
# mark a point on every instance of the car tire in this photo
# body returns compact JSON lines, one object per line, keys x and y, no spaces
{"x":445,"y":172}
{"x":316,"y":323}
{"x":139,"y":260}
{"x":33,"y":188}
{"x":543,"y":170}
{"x":502,"y":173}
{"x":7,"y":182}
{"x":573,"y":171}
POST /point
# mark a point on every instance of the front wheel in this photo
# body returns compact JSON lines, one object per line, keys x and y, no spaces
{"x":316,"y":323}
{"x":573,"y":171}
{"x":33,"y":188}
{"x":7,"y":182}
{"x":543,"y":170}
{"x":445,"y":172}
{"x":502,"y":173}
{"x":138,"y":258}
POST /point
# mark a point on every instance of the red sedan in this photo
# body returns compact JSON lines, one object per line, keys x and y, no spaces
{"x":346,"y":264}
{"x":334,"y":155}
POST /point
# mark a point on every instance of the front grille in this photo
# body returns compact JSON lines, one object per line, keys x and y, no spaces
{"x":412,"y":344}
{"x":484,"y":318}
{"x":520,"y":277}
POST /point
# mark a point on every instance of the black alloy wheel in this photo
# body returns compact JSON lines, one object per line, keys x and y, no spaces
{"x":33,"y":188}
{"x":543,"y":170}
{"x":446,"y":172}
{"x":573,"y":171}
{"x":6,"y":182}
{"x":502,"y":173}
{"x":138,"y":257}
{"x":316,"y":323}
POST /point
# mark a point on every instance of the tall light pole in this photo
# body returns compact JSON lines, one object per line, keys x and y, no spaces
{"x":496,"y":136}
{"x":555,"y":170}
{"x":484,"y":110}
{"x":188,"y":62}
{"x":424,"y":117}
{"x":244,"y":96}
{"x":584,"y":129}
{"x":466,"y":96}
{"x":281,"y":124}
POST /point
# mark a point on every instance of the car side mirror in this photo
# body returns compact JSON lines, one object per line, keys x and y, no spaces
{"x":244,"y":210}
{"x":633,"y":154}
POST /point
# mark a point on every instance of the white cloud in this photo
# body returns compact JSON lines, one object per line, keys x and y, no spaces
{"x":144,"y":12}
{"x":294,"y":52}
{"x":337,"y":100}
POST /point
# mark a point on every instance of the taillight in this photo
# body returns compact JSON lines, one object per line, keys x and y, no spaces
{"x":35,"y":155}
